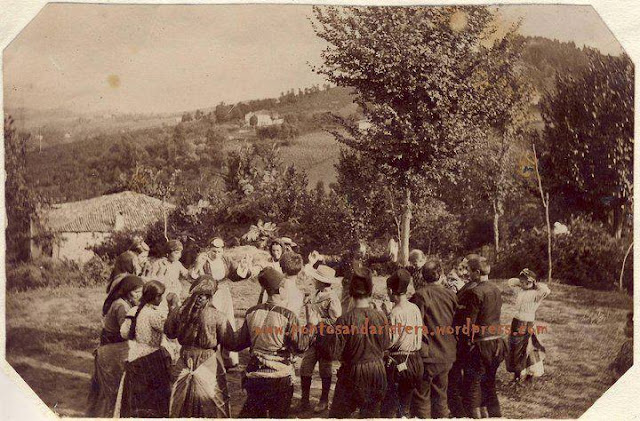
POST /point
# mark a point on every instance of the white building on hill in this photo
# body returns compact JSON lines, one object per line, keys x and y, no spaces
{"x":77,"y":226}
{"x":265,"y":118}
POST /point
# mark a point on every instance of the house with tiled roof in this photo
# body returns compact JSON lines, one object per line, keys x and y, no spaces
{"x":75,"y":227}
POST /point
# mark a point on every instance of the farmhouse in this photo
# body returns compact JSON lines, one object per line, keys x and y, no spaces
{"x":265,"y":118}
{"x":72,"y":228}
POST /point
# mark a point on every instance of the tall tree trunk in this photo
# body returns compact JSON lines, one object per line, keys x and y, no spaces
{"x":545,"y":204}
{"x":405,"y":228}
{"x":497,"y":212}
{"x":618,"y":221}
{"x":624,"y":261}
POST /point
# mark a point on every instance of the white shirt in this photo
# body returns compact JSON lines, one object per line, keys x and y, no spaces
{"x":528,"y":300}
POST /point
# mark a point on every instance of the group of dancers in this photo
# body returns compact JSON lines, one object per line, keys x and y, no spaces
{"x":169,"y":336}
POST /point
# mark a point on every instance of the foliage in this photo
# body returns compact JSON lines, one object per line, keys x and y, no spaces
{"x":588,"y":148}
{"x":587,"y":256}
{"x":116,"y":244}
{"x":20,"y":200}
{"x":260,"y":234}
{"x":47,"y":272}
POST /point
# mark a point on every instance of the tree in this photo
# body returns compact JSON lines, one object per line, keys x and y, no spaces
{"x":490,"y":171}
{"x":418,"y":76}
{"x":589,"y":140}
{"x":253,"y":121}
{"x":186,"y":117}
{"x":20,"y":199}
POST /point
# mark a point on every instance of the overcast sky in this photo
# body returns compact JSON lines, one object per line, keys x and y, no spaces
{"x":170,"y":58}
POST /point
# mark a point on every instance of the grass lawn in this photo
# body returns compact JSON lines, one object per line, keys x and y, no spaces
{"x":52,"y":333}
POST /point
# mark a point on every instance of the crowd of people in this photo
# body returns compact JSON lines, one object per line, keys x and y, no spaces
{"x":169,"y":336}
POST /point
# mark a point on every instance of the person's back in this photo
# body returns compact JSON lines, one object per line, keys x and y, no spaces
{"x":484,"y":306}
{"x":437,"y":305}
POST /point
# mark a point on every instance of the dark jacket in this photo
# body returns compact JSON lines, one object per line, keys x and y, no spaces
{"x":437,"y":305}
{"x":482,"y":306}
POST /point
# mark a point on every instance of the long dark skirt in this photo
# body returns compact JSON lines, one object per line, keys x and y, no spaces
{"x":146,"y":388}
{"x":359,"y":386}
{"x":201,"y":388}
{"x":108,"y":369}
{"x":526,"y":353}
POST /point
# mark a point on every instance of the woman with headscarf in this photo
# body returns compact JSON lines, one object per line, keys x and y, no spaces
{"x":115,"y":308}
{"x":276,"y":249}
{"x":526,"y":353}
{"x":200,"y":390}
{"x":131,"y":262}
{"x":222,"y":269}
{"x":113,"y":351}
{"x":146,"y":387}
{"x":169,"y":270}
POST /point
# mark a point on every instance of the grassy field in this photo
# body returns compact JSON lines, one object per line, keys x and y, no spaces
{"x":52,"y":333}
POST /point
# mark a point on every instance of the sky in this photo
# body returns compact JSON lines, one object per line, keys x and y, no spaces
{"x":170,"y":58}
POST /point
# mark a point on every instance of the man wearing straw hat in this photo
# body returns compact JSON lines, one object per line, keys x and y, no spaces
{"x":326,"y":304}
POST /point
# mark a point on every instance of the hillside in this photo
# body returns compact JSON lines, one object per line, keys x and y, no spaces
{"x":84,"y":156}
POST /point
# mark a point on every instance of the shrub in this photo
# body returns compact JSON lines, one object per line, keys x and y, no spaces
{"x":116,"y":244}
{"x":587,"y":256}
{"x":47,"y":272}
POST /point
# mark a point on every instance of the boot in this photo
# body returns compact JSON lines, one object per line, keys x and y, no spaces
{"x":305,"y":385}
{"x":323,"y":405}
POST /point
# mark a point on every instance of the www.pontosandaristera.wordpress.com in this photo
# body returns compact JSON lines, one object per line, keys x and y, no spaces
{"x":468,"y":329}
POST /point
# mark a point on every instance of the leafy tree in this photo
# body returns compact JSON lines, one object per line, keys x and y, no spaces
{"x":198,"y":115}
{"x":589,"y":140}
{"x":21,"y":202}
{"x":253,"y":121}
{"x":186,"y":117}
{"x":418,"y":76}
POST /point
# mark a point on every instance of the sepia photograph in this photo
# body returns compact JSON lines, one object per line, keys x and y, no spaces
{"x":318,"y":211}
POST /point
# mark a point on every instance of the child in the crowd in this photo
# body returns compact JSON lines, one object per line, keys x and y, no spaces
{"x":458,"y":276}
{"x":362,"y":379}
{"x":274,"y":335}
{"x":404,"y":362}
{"x":326,"y":304}
{"x":526,"y":353}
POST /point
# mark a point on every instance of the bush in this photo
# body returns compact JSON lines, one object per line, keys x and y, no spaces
{"x":47,"y":272}
{"x":587,"y":256}
{"x":116,"y":244}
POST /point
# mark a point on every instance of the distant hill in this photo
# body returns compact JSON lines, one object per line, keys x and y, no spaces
{"x":92,"y":150}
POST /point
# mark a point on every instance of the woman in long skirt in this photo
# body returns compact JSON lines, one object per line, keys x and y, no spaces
{"x":145,"y":388}
{"x":526,"y":353}
{"x":200,"y":390}
{"x":114,"y":349}
{"x":222,"y":269}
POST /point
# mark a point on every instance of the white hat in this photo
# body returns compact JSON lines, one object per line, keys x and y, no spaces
{"x":324,"y":274}
{"x":287,"y":241}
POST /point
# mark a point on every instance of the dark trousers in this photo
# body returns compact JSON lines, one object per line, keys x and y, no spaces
{"x":480,"y":376}
{"x":430,"y":399}
{"x":454,"y":391}
{"x":267,"y":398}
{"x":346,"y":401}
{"x":401,"y":385}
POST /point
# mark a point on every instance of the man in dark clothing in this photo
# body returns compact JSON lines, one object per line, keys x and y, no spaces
{"x":437,"y":305}
{"x":481,"y":306}
{"x":454,"y":390}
